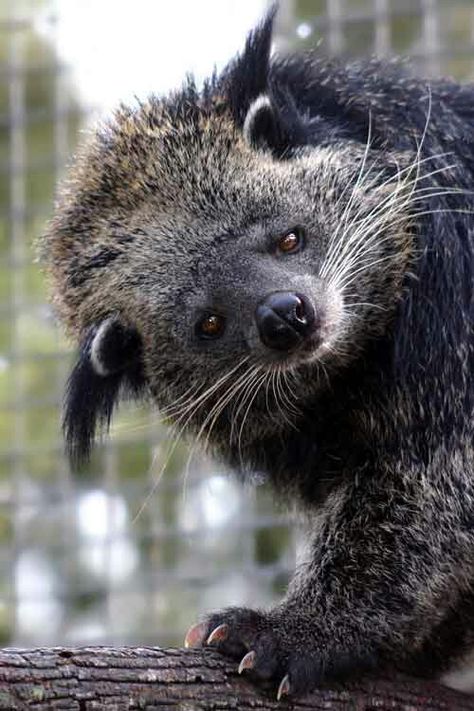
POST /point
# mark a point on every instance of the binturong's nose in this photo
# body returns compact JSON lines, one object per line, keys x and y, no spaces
{"x":284,"y":320}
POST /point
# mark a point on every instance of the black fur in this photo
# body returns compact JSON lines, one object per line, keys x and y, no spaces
{"x":90,"y":398}
{"x":249,"y":75}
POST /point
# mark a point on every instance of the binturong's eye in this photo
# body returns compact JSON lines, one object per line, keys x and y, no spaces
{"x":211,"y":326}
{"x":291,"y":242}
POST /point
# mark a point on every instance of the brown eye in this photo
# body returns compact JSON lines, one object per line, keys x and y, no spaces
{"x":211,"y":326}
{"x":291,"y":242}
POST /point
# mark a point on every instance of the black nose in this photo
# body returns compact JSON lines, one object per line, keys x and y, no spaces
{"x":284,"y":320}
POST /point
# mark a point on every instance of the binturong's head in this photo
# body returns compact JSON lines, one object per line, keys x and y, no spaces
{"x":224,"y":252}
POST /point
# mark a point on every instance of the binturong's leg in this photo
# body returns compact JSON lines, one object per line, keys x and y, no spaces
{"x":387,"y":574}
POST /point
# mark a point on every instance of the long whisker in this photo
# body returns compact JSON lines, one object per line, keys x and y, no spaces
{"x":279,"y":398}
{"x":292,"y":396}
{"x":333,"y":253}
{"x":258,"y":383}
{"x":343,"y":284}
{"x":184,"y":419}
{"x":392,"y":202}
{"x":290,"y":406}
{"x":366,"y":239}
{"x":212,"y":389}
{"x":213,"y":415}
{"x":242,"y":398}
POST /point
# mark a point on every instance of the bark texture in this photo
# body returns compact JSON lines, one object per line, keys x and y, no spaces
{"x":93,"y":678}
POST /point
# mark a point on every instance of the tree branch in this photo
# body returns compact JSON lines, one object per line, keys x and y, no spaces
{"x":93,"y":678}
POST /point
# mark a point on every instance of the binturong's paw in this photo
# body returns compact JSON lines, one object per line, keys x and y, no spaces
{"x":265,"y":647}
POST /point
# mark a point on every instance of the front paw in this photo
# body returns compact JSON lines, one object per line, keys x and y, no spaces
{"x":266,"y":646}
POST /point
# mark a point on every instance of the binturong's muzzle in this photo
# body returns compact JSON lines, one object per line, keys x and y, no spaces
{"x":284,"y":320}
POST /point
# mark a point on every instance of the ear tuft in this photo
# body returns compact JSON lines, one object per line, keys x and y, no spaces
{"x":265,"y":112}
{"x":109,"y":362}
{"x":248,"y":75}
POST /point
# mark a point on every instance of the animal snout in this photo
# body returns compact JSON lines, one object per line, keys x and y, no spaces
{"x":285,"y":319}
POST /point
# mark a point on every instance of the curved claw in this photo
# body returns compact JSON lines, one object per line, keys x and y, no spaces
{"x":219,"y":634}
{"x":247,"y":662}
{"x":195,"y":636}
{"x":284,"y":688}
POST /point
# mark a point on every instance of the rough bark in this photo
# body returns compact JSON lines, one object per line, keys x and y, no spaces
{"x":147,"y":678}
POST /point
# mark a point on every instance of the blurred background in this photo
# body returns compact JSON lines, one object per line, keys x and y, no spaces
{"x":132,"y":548}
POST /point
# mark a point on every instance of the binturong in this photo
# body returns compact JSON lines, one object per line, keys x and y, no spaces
{"x":283,"y":261}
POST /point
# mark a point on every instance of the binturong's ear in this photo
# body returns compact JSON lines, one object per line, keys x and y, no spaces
{"x":109,"y":362}
{"x":265,"y":111}
{"x":261,"y":126}
{"x":275,"y":125}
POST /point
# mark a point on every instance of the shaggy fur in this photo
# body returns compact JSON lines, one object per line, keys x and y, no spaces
{"x":174,"y":210}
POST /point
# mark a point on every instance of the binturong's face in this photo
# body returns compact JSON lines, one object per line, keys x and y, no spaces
{"x":229,"y":280}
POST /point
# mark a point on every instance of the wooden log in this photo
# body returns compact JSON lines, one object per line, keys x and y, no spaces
{"x":145,"y":678}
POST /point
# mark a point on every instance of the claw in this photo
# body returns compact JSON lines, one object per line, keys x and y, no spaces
{"x":219,"y":634}
{"x":247,"y":662}
{"x":284,"y":688}
{"x":195,"y":635}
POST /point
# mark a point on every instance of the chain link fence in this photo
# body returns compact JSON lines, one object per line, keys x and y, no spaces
{"x":148,"y":535}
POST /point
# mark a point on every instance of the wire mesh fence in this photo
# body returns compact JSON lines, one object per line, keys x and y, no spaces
{"x":148,"y":535}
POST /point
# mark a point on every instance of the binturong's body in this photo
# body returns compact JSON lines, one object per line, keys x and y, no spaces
{"x":284,"y":262}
